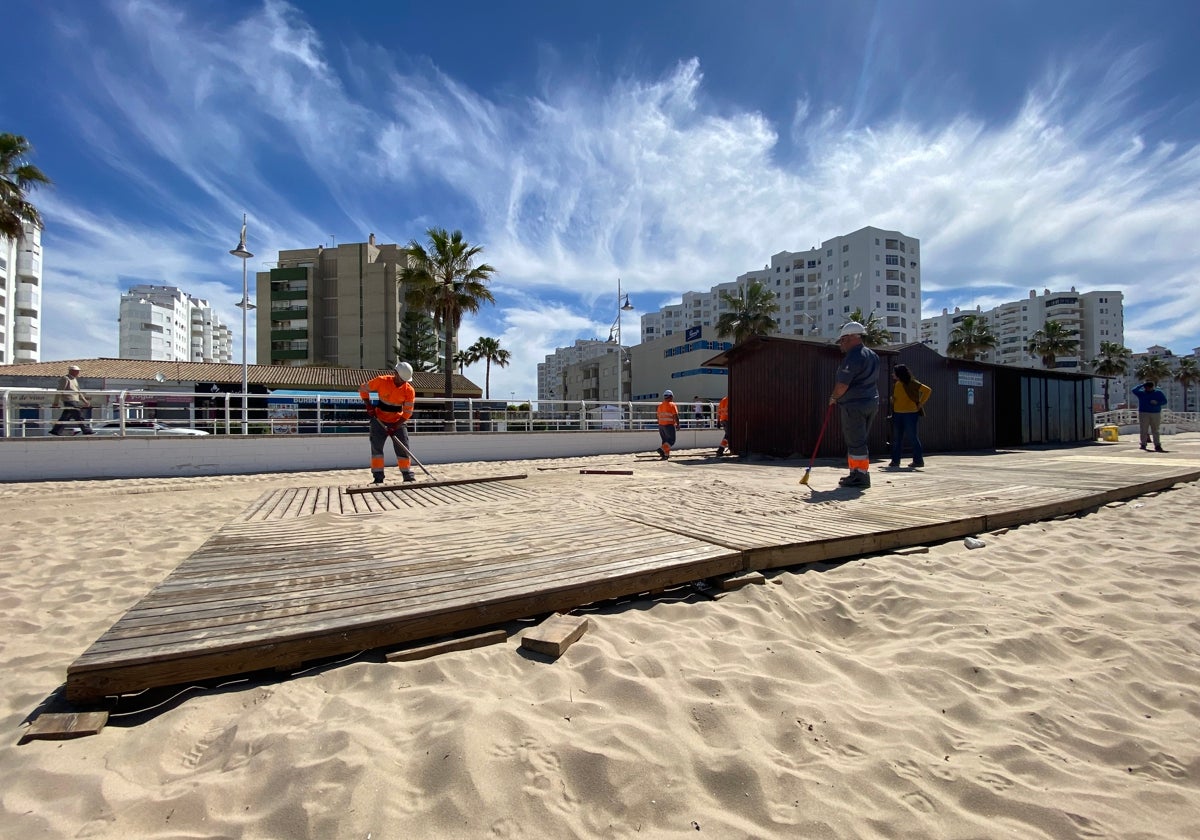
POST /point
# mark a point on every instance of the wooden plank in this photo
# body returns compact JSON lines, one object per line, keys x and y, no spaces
{"x":477,"y":640}
{"x":554,"y":635}
{"x":729,"y":583}
{"x":61,"y":726}
{"x":606,"y":472}
{"x":425,"y":485}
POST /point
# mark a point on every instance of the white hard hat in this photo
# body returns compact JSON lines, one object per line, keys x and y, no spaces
{"x":852,"y":328}
{"x":405,"y":371}
{"x":668,"y":393}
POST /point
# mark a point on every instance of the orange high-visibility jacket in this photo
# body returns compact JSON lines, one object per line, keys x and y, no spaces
{"x":668,"y":413}
{"x":723,"y":410}
{"x":395,"y":401}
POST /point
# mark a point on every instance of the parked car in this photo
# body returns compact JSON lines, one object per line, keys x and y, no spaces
{"x":142,"y":427}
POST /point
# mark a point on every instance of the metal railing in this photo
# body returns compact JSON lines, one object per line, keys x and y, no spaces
{"x":1182,"y":421}
{"x":30,"y":412}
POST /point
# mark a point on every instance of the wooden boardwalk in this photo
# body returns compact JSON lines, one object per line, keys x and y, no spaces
{"x":314,"y":572}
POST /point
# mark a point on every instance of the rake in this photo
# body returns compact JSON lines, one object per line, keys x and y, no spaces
{"x":817,"y":448}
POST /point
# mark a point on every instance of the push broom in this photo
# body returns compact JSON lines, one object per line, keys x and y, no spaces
{"x":817,"y":448}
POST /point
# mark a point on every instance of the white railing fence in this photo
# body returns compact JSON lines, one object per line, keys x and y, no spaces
{"x":1178,"y":421}
{"x":30,"y":412}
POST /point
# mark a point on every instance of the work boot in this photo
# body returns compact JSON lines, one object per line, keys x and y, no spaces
{"x":378,"y":478}
{"x":720,"y":451}
{"x":663,"y":455}
{"x":408,"y":475}
{"x":916,"y":465}
{"x":857,"y":478}
{"x":893,"y":465}
{"x":1144,"y":447}
{"x":1159,"y":449}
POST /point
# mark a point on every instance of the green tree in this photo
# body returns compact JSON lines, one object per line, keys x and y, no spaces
{"x":17,"y":178}
{"x":750,"y":315}
{"x":1050,"y":342}
{"x":489,"y":350}
{"x":877,"y":334}
{"x":1112,"y":361}
{"x":444,"y":280}
{"x":971,"y":337}
{"x":418,"y":341}
{"x":1187,"y":374}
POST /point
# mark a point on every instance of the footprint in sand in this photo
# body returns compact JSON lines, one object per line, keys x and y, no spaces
{"x":996,"y":782}
{"x":1087,"y":827}
{"x":919,"y":802}
{"x":908,"y":769}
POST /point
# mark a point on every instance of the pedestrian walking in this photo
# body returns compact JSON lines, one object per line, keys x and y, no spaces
{"x":668,"y":422}
{"x":908,"y":407}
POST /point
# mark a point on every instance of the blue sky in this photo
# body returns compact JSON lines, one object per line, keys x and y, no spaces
{"x":673,"y":144}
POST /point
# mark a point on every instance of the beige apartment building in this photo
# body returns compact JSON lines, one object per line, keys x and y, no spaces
{"x":340,"y":306}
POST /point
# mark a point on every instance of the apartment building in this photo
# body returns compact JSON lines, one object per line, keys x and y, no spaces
{"x":21,"y":297}
{"x":876,"y":271}
{"x":165,"y":323}
{"x":572,"y":373}
{"x":1094,"y":317}
{"x":338,"y":306}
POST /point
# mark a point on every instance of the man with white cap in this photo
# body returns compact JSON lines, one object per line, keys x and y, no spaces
{"x":392,"y":409}
{"x":668,"y":421}
{"x":856,"y":395}
{"x":76,"y":406}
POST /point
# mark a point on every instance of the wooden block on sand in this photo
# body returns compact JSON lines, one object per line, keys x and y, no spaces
{"x":554,"y":635}
{"x":727,"y":584}
{"x":60,"y":727}
{"x":491,"y":637}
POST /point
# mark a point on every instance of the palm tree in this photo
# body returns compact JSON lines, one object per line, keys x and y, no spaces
{"x":876,"y":334}
{"x":1187,"y":374}
{"x":489,"y":350}
{"x":445,"y":281}
{"x":1152,"y":369}
{"x":1050,"y":342}
{"x":970,"y":337}
{"x":17,"y":177}
{"x":752,"y":308}
{"x":462,"y":358}
{"x":1112,"y":361}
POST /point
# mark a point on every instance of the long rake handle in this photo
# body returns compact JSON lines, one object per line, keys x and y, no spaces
{"x":408,"y":452}
{"x":820,"y":436}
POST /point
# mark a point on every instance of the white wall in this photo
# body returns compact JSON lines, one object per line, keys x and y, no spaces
{"x":56,"y":459}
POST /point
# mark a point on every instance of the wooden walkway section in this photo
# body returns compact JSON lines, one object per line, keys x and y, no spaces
{"x":314,"y":572}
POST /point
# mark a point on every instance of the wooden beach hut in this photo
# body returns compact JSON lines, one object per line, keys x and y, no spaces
{"x":779,"y":389}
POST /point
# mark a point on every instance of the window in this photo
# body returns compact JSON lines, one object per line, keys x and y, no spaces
{"x":892,"y":259}
{"x":845,"y":263}
{"x":845,"y":248}
{"x":893,"y":291}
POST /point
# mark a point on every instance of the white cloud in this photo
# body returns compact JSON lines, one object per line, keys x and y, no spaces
{"x":569,"y":190}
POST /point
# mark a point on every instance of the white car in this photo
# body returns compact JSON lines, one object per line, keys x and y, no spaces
{"x":142,"y":427}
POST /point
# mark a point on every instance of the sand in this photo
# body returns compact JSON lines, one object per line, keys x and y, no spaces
{"x":1047,"y":685}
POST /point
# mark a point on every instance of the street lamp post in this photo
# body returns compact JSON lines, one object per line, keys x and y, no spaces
{"x":623,"y":305}
{"x":245,"y":305}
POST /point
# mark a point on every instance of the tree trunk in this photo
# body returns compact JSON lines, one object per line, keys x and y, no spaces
{"x":487,"y":380}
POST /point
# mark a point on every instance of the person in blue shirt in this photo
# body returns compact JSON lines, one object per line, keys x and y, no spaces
{"x":856,"y":394}
{"x":1150,"y":403}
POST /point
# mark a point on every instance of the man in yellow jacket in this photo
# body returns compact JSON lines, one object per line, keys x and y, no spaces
{"x":668,"y":422}
{"x":389,"y":414}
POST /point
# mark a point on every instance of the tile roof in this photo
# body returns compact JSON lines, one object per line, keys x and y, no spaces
{"x":427,"y":384}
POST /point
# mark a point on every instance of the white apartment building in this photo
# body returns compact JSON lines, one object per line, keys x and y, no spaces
{"x":557,"y":381}
{"x":1093,"y":317}
{"x":874,"y":270}
{"x":21,"y":297}
{"x":164,"y":323}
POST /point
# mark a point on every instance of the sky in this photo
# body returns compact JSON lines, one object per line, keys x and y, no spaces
{"x":668,"y":145}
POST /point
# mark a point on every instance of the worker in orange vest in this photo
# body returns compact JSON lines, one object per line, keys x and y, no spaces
{"x":389,"y":414}
{"x":668,"y":422}
{"x":723,"y":422}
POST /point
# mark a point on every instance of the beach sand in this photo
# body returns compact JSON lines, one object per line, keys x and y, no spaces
{"x":1047,"y":685}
